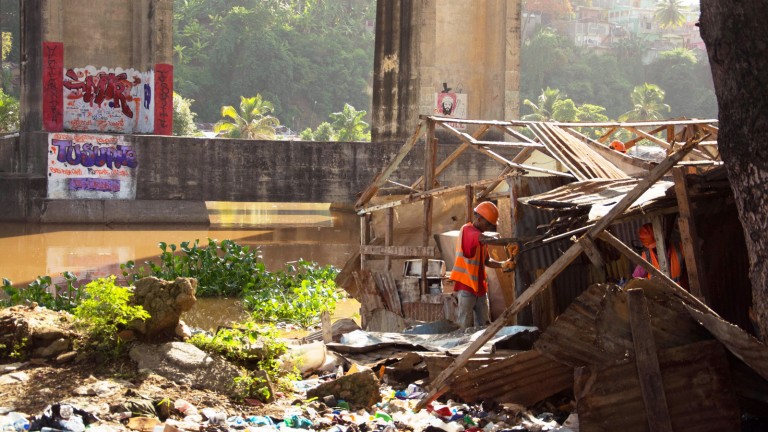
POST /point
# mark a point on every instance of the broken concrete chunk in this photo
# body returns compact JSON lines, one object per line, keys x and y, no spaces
{"x":360,"y":390}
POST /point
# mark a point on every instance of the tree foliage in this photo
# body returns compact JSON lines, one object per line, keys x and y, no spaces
{"x":669,"y":13}
{"x":251,"y":121}
{"x":349,"y":124}
{"x":549,"y":59}
{"x":303,"y":55}
{"x":183,"y":117}
{"x":9,"y":113}
{"x":648,"y":101}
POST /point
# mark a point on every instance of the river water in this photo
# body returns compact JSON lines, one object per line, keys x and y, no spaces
{"x":284,"y":232}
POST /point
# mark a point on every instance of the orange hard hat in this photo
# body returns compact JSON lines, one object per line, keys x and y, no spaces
{"x":618,"y":146}
{"x":488,"y":211}
{"x":646,"y":236}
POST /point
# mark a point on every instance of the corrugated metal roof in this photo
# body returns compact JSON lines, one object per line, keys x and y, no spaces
{"x":524,"y":378}
{"x":583,"y":162}
{"x":597,"y":197}
{"x":594,"y":330}
{"x":697,"y":388}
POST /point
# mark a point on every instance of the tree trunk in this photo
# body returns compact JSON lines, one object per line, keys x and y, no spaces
{"x":736,"y":36}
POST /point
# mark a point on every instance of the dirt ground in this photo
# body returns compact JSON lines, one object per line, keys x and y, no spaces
{"x":97,"y":387}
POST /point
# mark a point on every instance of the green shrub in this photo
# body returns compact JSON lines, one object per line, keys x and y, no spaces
{"x":104,"y":311}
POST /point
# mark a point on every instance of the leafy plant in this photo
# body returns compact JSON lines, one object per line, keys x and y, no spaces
{"x":17,"y":350}
{"x":221,"y":269}
{"x":253,"y":121}
{"x":9,"y":113}
{"x":43,"y":292}
{"x":299,"y":294}
{"x":104,"y":311}
{"x":183,"y":117}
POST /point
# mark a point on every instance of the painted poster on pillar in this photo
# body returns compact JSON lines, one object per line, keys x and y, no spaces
{"x":452,"y":105}
{"x":109,"y":100}
{"x":91,"y":166}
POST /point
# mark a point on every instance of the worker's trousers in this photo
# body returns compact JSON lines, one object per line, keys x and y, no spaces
{"x":472,"y":306}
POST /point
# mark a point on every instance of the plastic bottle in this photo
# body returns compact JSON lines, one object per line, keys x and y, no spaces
{"x":236,"y":422}
{"x":17,"y":421}
{"x":383,"y":416}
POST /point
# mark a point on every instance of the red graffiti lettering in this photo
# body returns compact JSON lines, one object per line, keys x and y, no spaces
{"x":103,"y":86}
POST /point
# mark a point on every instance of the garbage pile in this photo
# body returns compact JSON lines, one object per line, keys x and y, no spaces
{"x":393,"y":413}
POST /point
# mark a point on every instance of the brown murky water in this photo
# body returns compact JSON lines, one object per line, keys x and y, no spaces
{"x":284,"y":232}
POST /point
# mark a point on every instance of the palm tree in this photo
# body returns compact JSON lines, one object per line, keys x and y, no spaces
{"x":669,"y":13}
{"x":545,"y":108}
{"x":648,"y":100}
{"x":349,"y":124}
{"x":252,"y":122}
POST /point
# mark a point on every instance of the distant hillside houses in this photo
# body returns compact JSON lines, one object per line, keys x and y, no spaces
{"x":611,"y":24}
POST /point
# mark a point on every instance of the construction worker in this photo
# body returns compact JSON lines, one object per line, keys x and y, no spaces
{"x":468,"y":271}
{"x":675,"y":258}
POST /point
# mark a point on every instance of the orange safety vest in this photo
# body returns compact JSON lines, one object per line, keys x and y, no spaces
{"x":675,"y":259}
{"x":467,"y":269}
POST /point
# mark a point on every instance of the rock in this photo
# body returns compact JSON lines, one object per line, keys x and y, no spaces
{"x":14,"y":378}
{"x":165,"y":301}
{"x":143,"y":424}
{"x":360,"y":390}
{"x":184,"y":363}
{"x":56,"y":347}
{"x":34,"y":331}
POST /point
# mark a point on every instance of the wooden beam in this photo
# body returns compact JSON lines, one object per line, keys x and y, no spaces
{"x":424,"y":195}
{"x":430,"y":156}
{"x":504,"y":161}
{"x":382,"y":178}
{"x":365,"y":232}
{"x":469,"y":200}
{"x":453,"y":156}
{"x":604,"y":137}
{"x":590,"y":249}
{"x":388,"y":236}
{"x":401,"y":251}
{"x":647,"y":362}
{"x":690,"y":238}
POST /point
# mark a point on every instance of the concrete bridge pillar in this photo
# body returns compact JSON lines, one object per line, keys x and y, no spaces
{"x":473,"y":46}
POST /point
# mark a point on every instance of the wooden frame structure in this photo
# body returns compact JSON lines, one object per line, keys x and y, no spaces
{"x":583,"y":157}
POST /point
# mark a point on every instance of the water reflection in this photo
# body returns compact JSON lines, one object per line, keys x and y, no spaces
{"x":284,"y":232}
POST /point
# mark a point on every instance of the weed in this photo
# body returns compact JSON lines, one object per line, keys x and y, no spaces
{"x":103,"y":312}
{"x":17,"y":351}
{"x":43,"y":292}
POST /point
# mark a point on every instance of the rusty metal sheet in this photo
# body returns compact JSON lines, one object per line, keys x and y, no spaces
{"x":597,"y":197}
{"x":743,"y":345}
{"x":594,"y":330}
{"x":423,"y":311}
{"x":582,"y":161}
{"x":524,"y":378}
{"x":700,"y":396}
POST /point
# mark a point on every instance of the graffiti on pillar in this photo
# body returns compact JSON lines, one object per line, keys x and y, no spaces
{"x":164,"y":99}
{"x":448,"y":104}
{"x":108,"y":100}
{"x":91,"y":166}
{"x":53,"y":100}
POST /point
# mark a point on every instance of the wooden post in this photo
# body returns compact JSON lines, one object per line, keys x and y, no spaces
{"x":365,"y":232}
{"x":593,"y":253}
{"x":430,"y":155}
{"x":648,"y":370}
{"x":470,"y":202}
{"x":388,"y":234}
{"x":690,"y":238}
